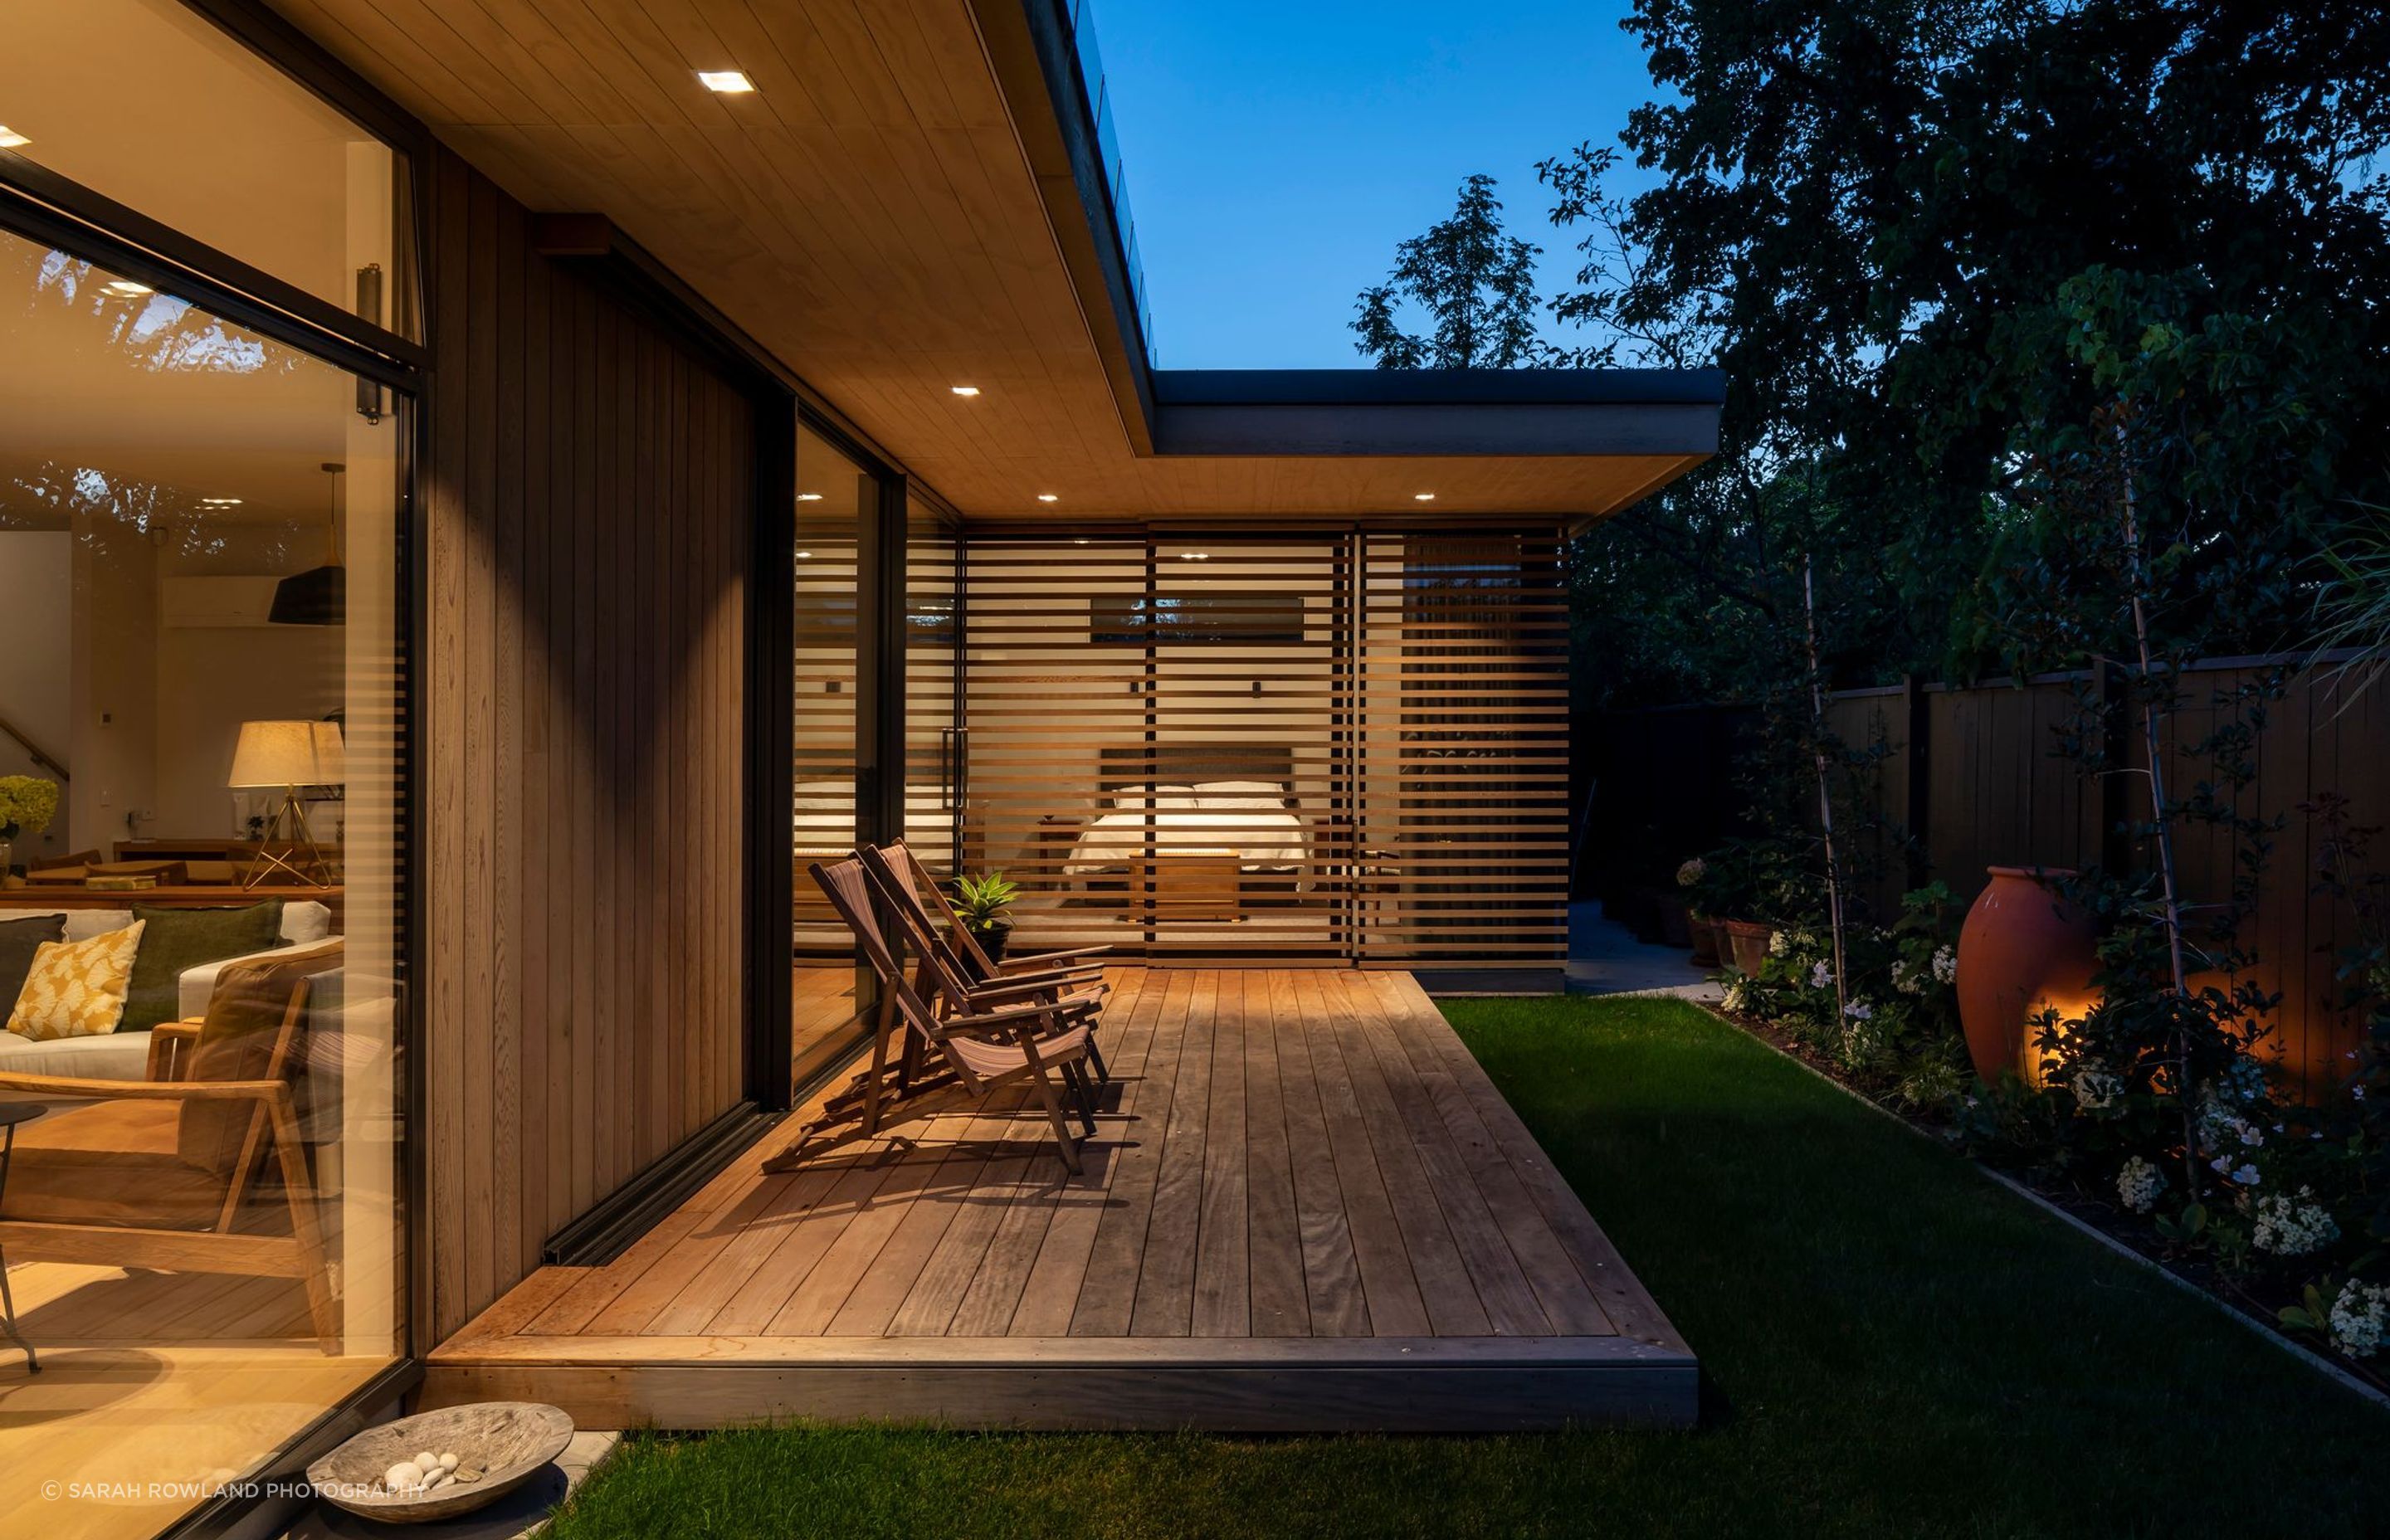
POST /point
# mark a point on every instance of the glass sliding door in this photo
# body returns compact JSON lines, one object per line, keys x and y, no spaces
{"x":934,"y":747}
{"x":835,"y":495}
{"x":204,"y":727}
{"x":201,"y":689}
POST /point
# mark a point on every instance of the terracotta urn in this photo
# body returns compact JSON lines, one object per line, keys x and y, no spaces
{"x":2024,"y":949}
{"x":1705,"y":941}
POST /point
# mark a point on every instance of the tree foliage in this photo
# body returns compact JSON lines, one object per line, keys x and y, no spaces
{"x":1886,"y":220}
{"x":1477,"y":285}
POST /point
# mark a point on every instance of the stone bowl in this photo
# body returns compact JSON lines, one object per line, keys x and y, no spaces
{"x":507,"y":1442}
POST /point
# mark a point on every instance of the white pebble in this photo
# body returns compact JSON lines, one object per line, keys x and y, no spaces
{"x":426,"y":1461}
{"x":436,"y":1477}
{"x":448,"y":1460}
{"x":402,"y":1477}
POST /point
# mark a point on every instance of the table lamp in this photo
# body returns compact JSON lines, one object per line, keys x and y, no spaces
{"x":288,"y":755}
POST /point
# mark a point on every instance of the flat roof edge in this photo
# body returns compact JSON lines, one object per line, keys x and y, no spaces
{"x":1406,"y":429}
{"x":1438,"y":387}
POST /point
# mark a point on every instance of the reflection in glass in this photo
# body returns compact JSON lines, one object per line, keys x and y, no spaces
{"x":223,"y":1269}
{"x":147,"y":103}
{"x":833,"y":495}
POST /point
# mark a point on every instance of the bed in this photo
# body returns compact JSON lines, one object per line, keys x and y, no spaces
{"x":1190,"y":799}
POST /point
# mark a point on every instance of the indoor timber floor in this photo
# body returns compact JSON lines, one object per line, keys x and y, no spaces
{"x":153,"y":1388}
{"x":1306,"y":1208}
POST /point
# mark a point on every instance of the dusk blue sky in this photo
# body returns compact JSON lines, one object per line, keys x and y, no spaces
{"x":1277,"y":152}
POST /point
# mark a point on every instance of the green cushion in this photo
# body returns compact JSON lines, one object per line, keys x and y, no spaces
{"x":181,"y":939}
{"x":19,"y":939}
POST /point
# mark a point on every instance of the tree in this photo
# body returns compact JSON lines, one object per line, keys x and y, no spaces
{"x":1476,"y":284}
{"x":1868,"y":214}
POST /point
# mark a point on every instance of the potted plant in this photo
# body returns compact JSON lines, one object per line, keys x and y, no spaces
{"x":983,"y":904}
{"x":27,"y":805}
{"x":1740,"y":881}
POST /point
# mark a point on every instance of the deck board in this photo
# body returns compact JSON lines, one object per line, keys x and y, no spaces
{"x":1306,"y":1207}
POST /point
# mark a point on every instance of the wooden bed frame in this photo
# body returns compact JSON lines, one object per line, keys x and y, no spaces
{"x":1159,"y":764}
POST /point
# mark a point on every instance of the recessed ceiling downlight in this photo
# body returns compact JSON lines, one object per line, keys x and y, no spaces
{"x":726,"y":83}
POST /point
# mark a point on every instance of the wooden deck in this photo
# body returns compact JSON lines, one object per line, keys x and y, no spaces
{"x":1306,"y":1208}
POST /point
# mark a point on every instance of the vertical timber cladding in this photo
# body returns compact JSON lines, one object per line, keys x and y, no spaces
{"x":587,"y":495}
{"x":1407,"y":693}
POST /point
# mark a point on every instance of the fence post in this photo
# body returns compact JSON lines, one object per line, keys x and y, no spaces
{"x":1917,"y":749}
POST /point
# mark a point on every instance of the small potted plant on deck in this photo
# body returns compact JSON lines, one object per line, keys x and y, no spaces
{"x":983,"y":904}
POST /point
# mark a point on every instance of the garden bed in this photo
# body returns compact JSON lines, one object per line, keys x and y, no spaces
{"x":2134,"y":1232}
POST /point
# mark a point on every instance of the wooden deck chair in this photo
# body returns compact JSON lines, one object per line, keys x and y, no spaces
{"x":984,"y":1052}
{"x":947,"y":975}
{"x":924,"y":884}
{"x":163,"y":1173}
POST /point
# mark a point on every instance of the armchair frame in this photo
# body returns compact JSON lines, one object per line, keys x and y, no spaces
{"x":272,"y":1127}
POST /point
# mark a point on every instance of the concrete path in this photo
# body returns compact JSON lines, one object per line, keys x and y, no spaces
{"x":1605,"y":958}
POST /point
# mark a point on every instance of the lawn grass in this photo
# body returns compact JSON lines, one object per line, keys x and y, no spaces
{"x":1891,"y":1345}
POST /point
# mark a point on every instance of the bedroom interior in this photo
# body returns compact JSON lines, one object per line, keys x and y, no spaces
{"x":1210,"y":745}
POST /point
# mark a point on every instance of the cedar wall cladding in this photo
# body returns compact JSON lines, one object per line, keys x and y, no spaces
{"x":587,"y":493}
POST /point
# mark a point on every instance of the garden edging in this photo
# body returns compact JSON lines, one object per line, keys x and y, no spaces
{"x":2261,"y":1327}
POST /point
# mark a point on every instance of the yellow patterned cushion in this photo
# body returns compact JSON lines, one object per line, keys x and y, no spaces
{"x":77,"y":988}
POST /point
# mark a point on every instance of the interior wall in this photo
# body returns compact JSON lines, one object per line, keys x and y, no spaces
{"x":113,"y":750}
{"x":588,"y":496}
{"x":36,"y":610}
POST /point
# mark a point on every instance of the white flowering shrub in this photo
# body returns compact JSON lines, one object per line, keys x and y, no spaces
{"x":1892,"y":1025}
{"x":2291,"y":1226}
{"x":2139,"y":1184}
{"x":2359,"y":1317}
{"x":2095,"y":1087}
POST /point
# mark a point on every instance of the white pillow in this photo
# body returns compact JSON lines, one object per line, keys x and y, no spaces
{"x":305,"y":920}
{"x":1166,"y":798}
{"x":1240,"y":796}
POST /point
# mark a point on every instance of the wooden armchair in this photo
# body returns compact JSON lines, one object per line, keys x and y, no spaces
{"x":979,"y":1054}
{"x":164,"y":1173}
{"x":954,"y":973}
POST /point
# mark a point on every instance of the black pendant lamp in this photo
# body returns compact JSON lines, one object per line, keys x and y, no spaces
{"x":320,"y":595}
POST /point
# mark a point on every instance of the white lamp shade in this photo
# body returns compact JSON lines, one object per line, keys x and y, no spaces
{"x":289,"y":753}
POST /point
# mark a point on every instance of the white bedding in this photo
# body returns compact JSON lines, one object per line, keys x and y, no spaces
{"x":1265,"y":839}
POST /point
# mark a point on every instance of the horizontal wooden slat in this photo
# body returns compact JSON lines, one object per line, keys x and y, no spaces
{"x":1419,"y":723}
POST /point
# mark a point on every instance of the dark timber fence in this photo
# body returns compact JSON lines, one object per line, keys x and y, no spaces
{"x":1977,"y":777}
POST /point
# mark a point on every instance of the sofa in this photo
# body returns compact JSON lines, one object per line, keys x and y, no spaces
{"x":126,"y":1055}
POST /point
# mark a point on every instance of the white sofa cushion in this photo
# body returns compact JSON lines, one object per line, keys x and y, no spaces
{"x":109,"y":1056}
{"x":126,"y":1055}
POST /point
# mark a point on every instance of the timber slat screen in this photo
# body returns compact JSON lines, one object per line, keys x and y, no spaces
{"x":1465,"y":748}
{"x":1321,"y":748}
